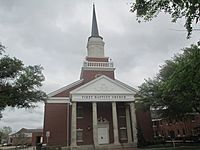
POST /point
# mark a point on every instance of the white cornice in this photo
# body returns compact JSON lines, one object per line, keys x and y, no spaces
{"x":58,"y":100}
{"x":103,"y":98}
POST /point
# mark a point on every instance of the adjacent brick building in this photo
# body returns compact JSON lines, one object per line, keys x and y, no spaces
{"x":180,"y":130}
{"x":26,"y":137}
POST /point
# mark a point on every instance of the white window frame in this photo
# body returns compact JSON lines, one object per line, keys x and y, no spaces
{"x":123,"y":138}
{"x":79,"y":130}
{"x":81,"y":108}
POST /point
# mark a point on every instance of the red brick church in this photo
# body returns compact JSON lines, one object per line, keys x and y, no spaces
{"x":96,"y":111}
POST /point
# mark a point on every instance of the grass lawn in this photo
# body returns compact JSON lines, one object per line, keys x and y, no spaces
{"x":177,"y":148}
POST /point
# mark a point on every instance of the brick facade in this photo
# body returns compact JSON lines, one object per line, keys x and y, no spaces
{"x":176,"y":129}
{"x":84,"y":122}
{"x":89,"y":75}
{"x":105,"y":59}
{"x":145,"y":125}
{"x":55,"y":121}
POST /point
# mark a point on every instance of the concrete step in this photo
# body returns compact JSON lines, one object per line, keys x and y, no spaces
{"x":103,"y":147}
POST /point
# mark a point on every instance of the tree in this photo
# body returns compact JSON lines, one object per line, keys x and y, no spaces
{"x":19,"y":84}
{"x":4,"y":134}
{"x":175,"y":91}
{"x":188,"y":9}
{"x":21,"y":139}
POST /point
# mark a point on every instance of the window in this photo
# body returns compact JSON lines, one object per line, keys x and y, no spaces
{"x":183,"y":131}
{"x":122,"y":112}
{"x":178,"y":132}
{"x":162,"y":132}
{"x":79,"y":135}
{"x":155,"y":123}
{"x":156,"y":133}
{"x":123,"y":133}
{"x":161,"y":123}
{"x":168,"y":133}
{"x":193,"y":118}
{"x":79,"y":112}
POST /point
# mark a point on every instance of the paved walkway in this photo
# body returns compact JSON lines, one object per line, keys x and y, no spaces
{"x":14,"y":147}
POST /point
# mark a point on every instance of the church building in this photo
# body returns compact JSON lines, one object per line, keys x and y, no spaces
{"x":97,"y":110}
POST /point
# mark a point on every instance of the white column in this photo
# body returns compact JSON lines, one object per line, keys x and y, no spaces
{"x":128,"y":125}
{"x":134,"y":123}
{"x":73,"y":125}
{"x":95,"y":132}
{"x":115,"y":123}
{"x":68,"y":121}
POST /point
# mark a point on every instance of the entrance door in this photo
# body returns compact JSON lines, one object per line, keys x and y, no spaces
{"x":103,"y":136}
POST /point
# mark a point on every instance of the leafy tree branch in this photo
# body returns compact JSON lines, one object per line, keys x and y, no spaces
{"x":20,"y":85}
{"x":187,"y":9}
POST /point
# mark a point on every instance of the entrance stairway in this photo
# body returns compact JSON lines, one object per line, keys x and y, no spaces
{"x":104,"y":147}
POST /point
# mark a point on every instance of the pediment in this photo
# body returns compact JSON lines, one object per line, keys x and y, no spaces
{"x":104,"y":85}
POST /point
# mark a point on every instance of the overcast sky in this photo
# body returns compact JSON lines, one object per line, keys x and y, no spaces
{"x":54,"y":34}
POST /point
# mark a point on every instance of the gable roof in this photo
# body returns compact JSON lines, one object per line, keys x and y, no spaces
{"x":24,"y":130}
{"x":65,"y":88}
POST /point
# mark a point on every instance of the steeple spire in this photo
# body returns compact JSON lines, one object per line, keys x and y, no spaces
{"x":95,"y":45}
{"x":95,"y":32}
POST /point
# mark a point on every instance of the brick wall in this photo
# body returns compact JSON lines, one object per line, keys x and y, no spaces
{"x":144,"y":124}
{"x":89,"y":75}
{"x":55,"y":121}
{"x":85,"y":123}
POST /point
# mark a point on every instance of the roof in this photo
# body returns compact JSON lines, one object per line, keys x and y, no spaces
{"x":24,"y":130}
{"x":65,"y":88}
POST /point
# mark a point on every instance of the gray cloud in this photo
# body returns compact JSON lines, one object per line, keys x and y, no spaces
{"x":54,"y":34}
{"x":26,"y":118}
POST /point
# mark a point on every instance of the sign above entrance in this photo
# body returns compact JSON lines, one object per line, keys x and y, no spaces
{"x":100,"y":98}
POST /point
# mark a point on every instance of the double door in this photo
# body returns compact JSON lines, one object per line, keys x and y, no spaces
{"x":103,"y":135}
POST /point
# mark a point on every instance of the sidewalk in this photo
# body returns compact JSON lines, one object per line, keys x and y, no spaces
{"x":14,"y":147}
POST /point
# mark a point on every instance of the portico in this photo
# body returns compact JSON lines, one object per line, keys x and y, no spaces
{"x":106,"y":95}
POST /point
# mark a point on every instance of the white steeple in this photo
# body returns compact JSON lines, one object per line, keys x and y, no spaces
{"x":95,"y":45}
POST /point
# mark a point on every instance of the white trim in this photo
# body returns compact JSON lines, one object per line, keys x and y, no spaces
{"x":156,"y":119}
{"x":97,"y":69}
{"x":103,"y":98}
{"x":80,"y":130}
{"x":65,"y":88}
{"x":124,"y":129}
{"x":79,"y":117}
{"x":58,"y":100}
{"x":98,"y":64}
